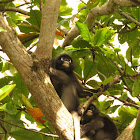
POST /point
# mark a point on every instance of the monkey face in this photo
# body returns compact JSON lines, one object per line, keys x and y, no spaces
{"x":91,"y":112}
{"x":65,"y":63}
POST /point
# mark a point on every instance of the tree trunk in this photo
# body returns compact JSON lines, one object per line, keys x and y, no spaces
{"x":37,"y":82}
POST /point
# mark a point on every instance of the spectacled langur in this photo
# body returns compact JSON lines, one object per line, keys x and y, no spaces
{"x":97,"y":127}
{"x":67,"y":86}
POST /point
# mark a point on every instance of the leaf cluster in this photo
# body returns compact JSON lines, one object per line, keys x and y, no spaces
{"x":97,"y":60}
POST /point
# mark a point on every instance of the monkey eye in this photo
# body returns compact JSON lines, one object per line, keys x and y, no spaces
{"x":70,"y":60}
{"x":65,"y":59}
{"x":92,"y":108}
{"x":62,"y":58}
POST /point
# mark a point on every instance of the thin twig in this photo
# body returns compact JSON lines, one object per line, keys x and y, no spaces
{"x":128,"y":17}
{"x":122,"y":75}
{"x":80,"y":9}
{"x":13,"y":9}
{"x":4,"y":129}
{"x":126,"y":103}
{"x":6,"y":1}
{"x":40,"y":5}
{"x":83,"y":2}
{"x":49,"y":135}
{"x":23,"y":4}
{"x":127,"y":31}
{"x":4,"y":59}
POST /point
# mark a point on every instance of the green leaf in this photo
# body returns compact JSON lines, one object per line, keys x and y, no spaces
{"x":125,"y":116}
{"x":108,"y":80}
{"x":117,"y":50}
{"x":10,"y":108}
{"x":89,"y":69}
{"x":5,"y":80}
{"x":61,"y":22}
{"x":4,"y":91}
{"x":83,"y":29}
{"x":135,"y":62}
{"x":20,"y":85}
{"x":65,"y":10}
{"x":104,"y":66}
{"x":1,"y":64}
{"x":8,"y":66}
{"x":132,"y":111}
{"x":124,"y":96}
{"x":5,"y":67}
{"x":112,"y":109}
{"x":102,"y":36}
{"x":136,"y":87}
{"x":22,"y":134}
{"x":102,"y":2}
{"x":63,"y":2}
{"x":93,"y":84}
{"x":35,"y":18}
{"x":80,"y":43}
{"x":104,"y":105}
{"x":91,"y":4}
{"x":128,"y":54}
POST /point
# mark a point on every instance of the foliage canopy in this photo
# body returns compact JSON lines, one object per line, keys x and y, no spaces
{"x":94,"y":52}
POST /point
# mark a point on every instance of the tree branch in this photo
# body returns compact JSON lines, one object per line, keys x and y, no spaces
{"x":50,"y":135}
{"x":122,"y":75}
{"x":13,"y":9}
{"x":128,"y":17}
{"x":127,"y":3}
{"x":127,"y":103}
{"x":26,"y":3}
{"x":48,"y":28}
{"x":137,"y":120}
{"x":6,"y":1}
{"x":127,"y":133}
{"x":4,"y":129}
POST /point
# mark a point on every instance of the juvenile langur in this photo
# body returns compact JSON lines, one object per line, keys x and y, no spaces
{"x":97,"y":127}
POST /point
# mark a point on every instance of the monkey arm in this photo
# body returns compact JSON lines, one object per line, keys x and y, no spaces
{"x":59,"y":75}
{"x":89,"y":92}
{"x":84,"y":92}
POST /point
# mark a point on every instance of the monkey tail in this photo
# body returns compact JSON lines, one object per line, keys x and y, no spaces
{"x":76,"y":120}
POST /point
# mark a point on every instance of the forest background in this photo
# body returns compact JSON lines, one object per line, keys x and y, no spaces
{"x":88,"y":36}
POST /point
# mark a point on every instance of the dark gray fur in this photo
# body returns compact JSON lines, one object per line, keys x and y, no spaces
{"x":97,"y":127}
{"x":65,"y":82}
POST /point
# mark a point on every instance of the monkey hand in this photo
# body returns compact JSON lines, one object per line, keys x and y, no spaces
{"x":52,"y":71}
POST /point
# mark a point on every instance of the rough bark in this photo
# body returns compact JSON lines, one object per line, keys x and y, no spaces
{"x":48,"y":28}
{"x":127,"y":133}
